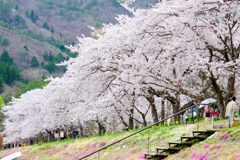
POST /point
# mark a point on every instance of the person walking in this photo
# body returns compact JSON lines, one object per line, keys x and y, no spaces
{"x":69,"y":135}
{"x":62,"y":135}
{"x":24,"y":144}
{"x":31,"y":142}
{"x":75,"y":133}
{"x":207,"y":112}
{"x":231,"y":106}
{"x":56,"y":136}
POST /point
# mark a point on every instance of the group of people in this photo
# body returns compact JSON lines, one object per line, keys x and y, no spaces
{"x":62,"y":136}
{"x":231,"y":106}
{"x":17,"y":144}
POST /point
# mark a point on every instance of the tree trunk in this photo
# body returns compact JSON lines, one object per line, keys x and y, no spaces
{"x":50,"y":136}
{"x":81,"y":129}
{"x":162,"y":113}
{"x":176,"y":107}
{"x":131,"y":123}
{"x":153,"y":109}
{"x":230,"y":90}
{"x":101,"y":128}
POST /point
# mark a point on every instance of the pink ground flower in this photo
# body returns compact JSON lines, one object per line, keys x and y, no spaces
{"x":203,"y":156}
{"x":133,"y":150}
{"x":219,"y":146}
{"x":95,"y":144}
{"x":102,"y":144}
{"x":206,"y":146}
{"x":194,"y":155}
{"x":88,"y":147}
{"x":142,"y":157}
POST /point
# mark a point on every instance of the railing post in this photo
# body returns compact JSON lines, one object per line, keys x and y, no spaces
{"x":198,"y":117}
{"x":229,"y":117}
{"x":212,"y":122}
{"x":99,"y":155}
{"x":148,"y":140}
{"x":192,"y":116}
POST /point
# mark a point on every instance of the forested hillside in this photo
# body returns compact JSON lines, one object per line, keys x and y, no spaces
{"x":35,"y":33}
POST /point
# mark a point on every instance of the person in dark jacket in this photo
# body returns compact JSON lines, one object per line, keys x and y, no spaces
{"x":75,"y":133}
{"x":31,"y":142}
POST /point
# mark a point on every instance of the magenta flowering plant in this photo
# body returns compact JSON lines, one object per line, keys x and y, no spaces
{"x":133,"y":150}
{"x":102,"y":144}
{"x":206,"y":146}
{"x":218,"y":146}
{"x":203,"y":156}
{"x":223,"y":136}
{"x":194,"y":155}
{"x":95,"y":144}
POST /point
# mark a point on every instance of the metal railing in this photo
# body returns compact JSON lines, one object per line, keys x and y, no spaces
{"x":148,"y":127}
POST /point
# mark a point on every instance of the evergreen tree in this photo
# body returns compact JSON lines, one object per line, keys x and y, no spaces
{"x":61,"y":58}
{"x":6,"y":58}
{"x":60,"y":34}
{"x":62,"y":13}
{"x":51,"y":57}
{"x":16,"y":7}
{"x":26,"y":48}
{"x":1,"y":84}
{"x":0,"y":38}
{"x":21,"y":21}
{"x":34,"y":62}
{"x":45,"y":25}
{"x":45,"y":56}
{"x":5,"y":42}
{"x":52,"y":30}
{"x":27,"y":14}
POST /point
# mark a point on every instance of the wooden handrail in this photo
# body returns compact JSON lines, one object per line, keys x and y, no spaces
{"x":139,"y":131}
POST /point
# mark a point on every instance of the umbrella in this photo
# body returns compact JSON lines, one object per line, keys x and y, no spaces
{"x":207,"y":101}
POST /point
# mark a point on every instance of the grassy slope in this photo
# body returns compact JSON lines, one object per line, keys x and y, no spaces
{"x":133,"y":147}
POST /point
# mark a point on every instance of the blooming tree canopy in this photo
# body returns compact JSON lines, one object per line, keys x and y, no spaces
{"x":176,"y":49}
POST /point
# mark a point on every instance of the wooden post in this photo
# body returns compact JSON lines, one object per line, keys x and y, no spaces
{"x":212,"y":122}
{"x":229,"y":118}
{"x":192,"y":116}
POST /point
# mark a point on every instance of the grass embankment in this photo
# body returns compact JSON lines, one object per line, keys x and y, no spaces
{"x":132,"y":147}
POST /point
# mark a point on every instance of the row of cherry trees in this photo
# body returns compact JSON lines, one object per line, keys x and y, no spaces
{"x":182,"y":51}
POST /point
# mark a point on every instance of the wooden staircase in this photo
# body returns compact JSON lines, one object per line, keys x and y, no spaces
{"x":174,"y":147}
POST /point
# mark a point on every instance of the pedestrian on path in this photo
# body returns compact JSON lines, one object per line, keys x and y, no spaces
{"x":62,"y":135}
{"x":69,"y":135}
{"x":207,"y":112}
{"x":75,"y":133}
{"x":31,"y":142}
{"x":231,"y":106}
{"x":56,"y":136}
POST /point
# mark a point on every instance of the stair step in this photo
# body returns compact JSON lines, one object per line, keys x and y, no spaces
{"x":185,"y":137}
{"x":193,"y":137}
{"x":155,"y":154}
{"x":168,"y":149}
{"x":199,"y":136}
{"x":180,"y":142}
{"x":203,"y":131}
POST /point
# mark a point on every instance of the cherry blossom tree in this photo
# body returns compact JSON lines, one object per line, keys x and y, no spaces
{"x":175,"y":49}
